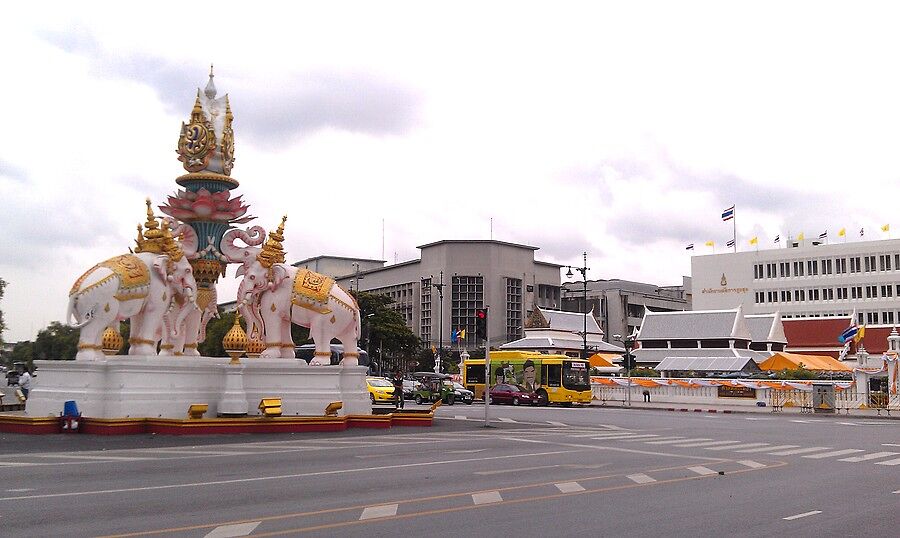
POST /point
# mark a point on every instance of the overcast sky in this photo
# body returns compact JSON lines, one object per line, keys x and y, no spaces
{"x":622,"y":129}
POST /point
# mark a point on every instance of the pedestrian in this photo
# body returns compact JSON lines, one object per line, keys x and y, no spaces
{"x":398,"y":389}
{"x":25,"y":383}
{"x":646,"y":395}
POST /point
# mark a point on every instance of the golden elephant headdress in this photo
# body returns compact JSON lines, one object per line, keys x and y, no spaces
{"x":272,"y":251}
{"x":157,"y":239}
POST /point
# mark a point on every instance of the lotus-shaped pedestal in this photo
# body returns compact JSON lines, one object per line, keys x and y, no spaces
{"x":188,"y":206}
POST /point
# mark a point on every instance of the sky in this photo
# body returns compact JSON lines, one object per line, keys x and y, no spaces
{"x":619,"y":129}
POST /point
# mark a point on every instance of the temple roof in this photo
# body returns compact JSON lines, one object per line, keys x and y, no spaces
{"x":694,"y":325}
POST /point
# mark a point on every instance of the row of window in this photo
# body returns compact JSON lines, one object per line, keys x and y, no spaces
{"x":827,"y":266}
{"x":874,"y":291}
{"x":885,"y":317}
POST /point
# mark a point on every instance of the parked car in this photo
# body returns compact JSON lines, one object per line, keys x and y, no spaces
{"x":381,"y":390}
{"x":512,"y":394}
{"x":463,"y":394}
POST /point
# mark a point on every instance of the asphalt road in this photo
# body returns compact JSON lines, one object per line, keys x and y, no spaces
{"x":538,"y":472}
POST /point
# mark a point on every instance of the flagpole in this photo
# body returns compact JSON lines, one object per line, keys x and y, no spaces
{"x":734,"y":230}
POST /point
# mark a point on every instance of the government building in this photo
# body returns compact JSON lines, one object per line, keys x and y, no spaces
{"x":804,"y":280}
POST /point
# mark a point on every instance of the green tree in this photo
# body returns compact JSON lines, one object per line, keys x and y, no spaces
{"x":385,"y":333}
{"x":22,"y":352}
{"x":215,"y":332}
{"x":56,"y":342}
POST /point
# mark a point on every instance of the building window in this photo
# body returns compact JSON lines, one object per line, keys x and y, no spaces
{"x":871,"y":318}
{"x":425,"y":321}
{"x":758,"y":297}
{"x":897,"y":261}
{"x":840,"y":265}
{"x":513,"y":309}
{"x":854,"y":265}
{"x":812,"y":267}
{"x":887,"y":317}
{"x":467,"y":295}
{"x":548,"y":296}
{"x":785,"y":269}
{"x":814,"y":294}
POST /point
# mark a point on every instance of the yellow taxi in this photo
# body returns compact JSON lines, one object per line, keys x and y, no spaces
{"x":380,"y":389}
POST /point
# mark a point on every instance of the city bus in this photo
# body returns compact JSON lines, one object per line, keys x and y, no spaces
{"x":554,"y":378}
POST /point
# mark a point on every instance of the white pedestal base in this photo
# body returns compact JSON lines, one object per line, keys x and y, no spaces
{"x":164,"y":387}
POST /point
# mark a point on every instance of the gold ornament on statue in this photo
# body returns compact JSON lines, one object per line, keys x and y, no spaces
{"x":235,"y":341}
{"x":112,"y":341}
{"x":272,"y":251}
{"x":255,"y":347}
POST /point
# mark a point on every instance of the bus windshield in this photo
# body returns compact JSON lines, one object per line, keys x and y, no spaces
{"x":576,"y":376}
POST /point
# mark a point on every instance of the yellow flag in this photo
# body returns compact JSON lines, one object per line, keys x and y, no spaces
{"x":800,"y":237}
{"x":754,"y":241}
{"x":842,"y":232}
{"x":886,"y":228}
{"x":710,"y":243}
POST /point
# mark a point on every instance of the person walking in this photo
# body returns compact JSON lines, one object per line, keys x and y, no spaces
{"x":398,"y":389}
{"x":646,"y":395}
{"x":25,"y":383}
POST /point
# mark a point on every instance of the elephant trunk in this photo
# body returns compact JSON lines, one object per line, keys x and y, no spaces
{"x":185,"y":310}
{"x":254,"y":319}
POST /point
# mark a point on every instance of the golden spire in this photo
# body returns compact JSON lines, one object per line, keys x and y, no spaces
{"x":154,"y":238}
{"x":272,"y":251}
{"x":170,"y":246}
{"x":197,"y":112}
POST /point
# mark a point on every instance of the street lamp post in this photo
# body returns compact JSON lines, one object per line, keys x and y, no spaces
{"x":583,"y":270}
{"x":440,"y":288}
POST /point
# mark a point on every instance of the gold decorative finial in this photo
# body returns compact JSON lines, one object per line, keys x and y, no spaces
{"x":112,"y":341}
{"x":153,"y":237}
{"x":210,"y":90}
{"x":272,"y":251}
{"x":169,"y":246}
{"x":235,"y":340}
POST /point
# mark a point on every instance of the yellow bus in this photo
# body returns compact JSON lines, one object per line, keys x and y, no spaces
{"x":554,"y":378}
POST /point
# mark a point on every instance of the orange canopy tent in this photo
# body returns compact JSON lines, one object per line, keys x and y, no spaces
{"x":603,"y":360}
{"x":792,"y":361}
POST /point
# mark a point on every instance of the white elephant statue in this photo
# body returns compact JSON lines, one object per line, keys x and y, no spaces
{"x":183,"y":339}
{"x":272,"y":295}
{"x":140,"y":286}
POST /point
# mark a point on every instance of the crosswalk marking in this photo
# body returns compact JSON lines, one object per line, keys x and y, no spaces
{"x":569,"y":487}
{"x":777,"y":447}
{"x":507,"y":420}
{"x":625,"y":436}
{"x":87,"y":457}
{"x":835,"y":453}
{"x":889,"y":462}
{"x":799,"y":451}
{"x":233,"y":531}
{"x":599,"y":435}
{"x":487,"y":497}
{"x":701,"y":470}
{"x":640,"y":478}
{"x":706,"y":443}
{"x":732,"y":447}
{"x":384,"y":510}
{"x":866,"y":457}
{"x":676,"y":441}
{"x":752,"y":464}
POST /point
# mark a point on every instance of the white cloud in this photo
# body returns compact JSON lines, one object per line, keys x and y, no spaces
{"x":617,"y":129}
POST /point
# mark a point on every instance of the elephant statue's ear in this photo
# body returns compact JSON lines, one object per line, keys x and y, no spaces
{"x":240,"y":270}
{"x":161,"y":266}
{"x":279,"y":273}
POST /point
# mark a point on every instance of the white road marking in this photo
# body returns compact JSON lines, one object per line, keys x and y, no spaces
{"x":625,"y":436}
{"x":701,"y":470}
{"x":707,"y":443}
{"x":205,"y":452}
{"x":757,"y":418}
{"x":20,"y":490}
{"x":890,"y":444}
{"x":519,"y":470}
{"x":640,"y":478}
{"x":569,"y":487}
{"x":798,"y":516}
{"x":673,"y":437}
{"x":554,"y":423}
{"x":676,"y":441}
{"x":507,"y":420}
{"x":611,"y":427}
{"x":889,"y":462}
{"x":87,"y":457}
{"x":778,"y":447}
{"x":294,"y":475}
{"x":832,"y":454}
{"x":460,"y":417}
{"x":898,"y":491}
{"x":848,"y":423}
{"x":799,"y":451}
{"x":16,"y":464}
{"x":752,"y":464}
{"x":233,"y":531}
{"x":470,"y":451}
{"x":373,"y":512}
{"x":487,"y":497}
{"x":732,"y":447}
{"x":866,"y":457}
{"x":598,"y":435}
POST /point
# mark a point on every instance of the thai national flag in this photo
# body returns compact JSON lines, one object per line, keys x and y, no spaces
{"x":689,"y":247}
{"x":777,"y":238}
{"x":848,"y":333}
{"x":728,"y":214}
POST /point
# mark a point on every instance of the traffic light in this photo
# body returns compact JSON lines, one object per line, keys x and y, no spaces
{"x":481,"y":321}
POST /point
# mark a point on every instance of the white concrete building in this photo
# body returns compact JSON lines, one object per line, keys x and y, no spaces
{"x":808,"y":279}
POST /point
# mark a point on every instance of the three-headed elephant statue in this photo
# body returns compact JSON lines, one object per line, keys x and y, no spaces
{"x":141,"y":286}
{"x":273,"y":295}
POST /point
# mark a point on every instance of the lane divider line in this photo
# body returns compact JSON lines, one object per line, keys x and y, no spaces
{"x":805,"y":514}
{"x":889,"y":462}
{"x":373,"y":512}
